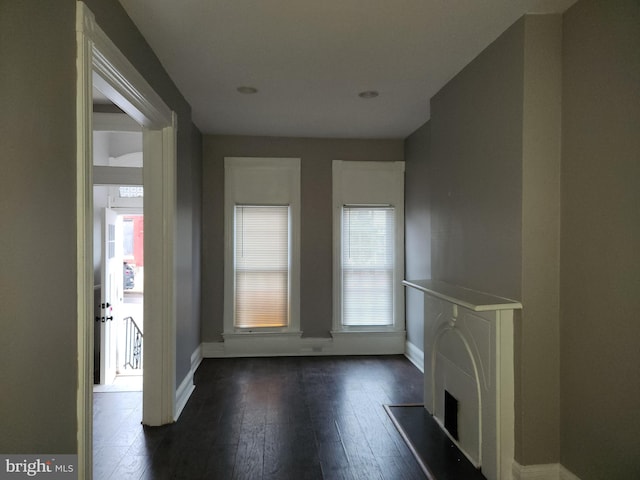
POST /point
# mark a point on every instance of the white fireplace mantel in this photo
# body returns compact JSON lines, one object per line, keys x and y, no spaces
{"x":464,"y":297}
{"x":468,"y":352}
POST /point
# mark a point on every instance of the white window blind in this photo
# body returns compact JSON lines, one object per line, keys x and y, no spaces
{"x":261,"y":266}
{"x":367,"y":265}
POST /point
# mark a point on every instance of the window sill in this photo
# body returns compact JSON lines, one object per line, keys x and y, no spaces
{"x":349,"y":330}
{"x":267,"y":332}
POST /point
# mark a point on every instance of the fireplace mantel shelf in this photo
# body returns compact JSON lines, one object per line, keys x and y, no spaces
{"x":468,"y":353}
{"x":471,"y":299}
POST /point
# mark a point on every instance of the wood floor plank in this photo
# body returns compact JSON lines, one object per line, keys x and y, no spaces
{"x":250,"y":456}
{"x":267,"y":419}
{"x":131,"y":467}
{"x":220,"y":462}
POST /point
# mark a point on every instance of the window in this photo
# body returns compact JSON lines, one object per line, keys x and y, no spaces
{"x":131,"y":192}
{"x":367,"y":265}
{"x":261,"y":266}
{"x":368,"y":201}
{"x":127,"y":231}
{"x":262,"y":247}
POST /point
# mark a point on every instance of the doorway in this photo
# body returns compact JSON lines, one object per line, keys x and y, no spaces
{"x":101,"y":65}
{"x":119,"y":292}
{"x":130,"y":348}
{"x":118,"y":232}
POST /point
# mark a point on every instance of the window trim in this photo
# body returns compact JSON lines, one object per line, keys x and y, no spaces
{"x":250,"y":181}
{"x":374,"y":184}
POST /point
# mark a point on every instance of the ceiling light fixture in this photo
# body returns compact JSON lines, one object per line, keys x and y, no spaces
{"x":368,"y":94}
{"x":247,"y":90}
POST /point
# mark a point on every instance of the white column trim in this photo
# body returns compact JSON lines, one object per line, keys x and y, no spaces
{"x":84,"y":249}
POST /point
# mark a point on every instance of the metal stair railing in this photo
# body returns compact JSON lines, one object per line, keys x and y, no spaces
{"x":133,"y":344}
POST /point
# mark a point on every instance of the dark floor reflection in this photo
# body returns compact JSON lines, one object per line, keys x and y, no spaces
{"x":267,"y":418}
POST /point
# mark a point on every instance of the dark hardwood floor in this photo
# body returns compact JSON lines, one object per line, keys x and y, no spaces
{"x":267,"y":418}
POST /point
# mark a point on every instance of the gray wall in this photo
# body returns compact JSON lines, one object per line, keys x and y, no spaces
{"x":38,"y":315}
{"x":316,"y":229}
{"x":537,"y":333}
{"x":547,"y":117}
{"x":417,"y":212}
{"x":493,"y":174}
{"x":38,"y":354}
{"x":476,"y":195}
{"x":188,"y":251}
{"x":600,"y":266}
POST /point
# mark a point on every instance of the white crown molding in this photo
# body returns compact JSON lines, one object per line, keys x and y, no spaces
{"x":118,"y":79}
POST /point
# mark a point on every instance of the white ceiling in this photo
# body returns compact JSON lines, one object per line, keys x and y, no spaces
{"x":309,"y":59}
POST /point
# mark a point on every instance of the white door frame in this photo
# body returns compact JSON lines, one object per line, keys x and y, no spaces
{"x":100,"y":63}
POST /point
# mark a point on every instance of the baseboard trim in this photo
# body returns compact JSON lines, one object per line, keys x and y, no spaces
{"x":187,"y":386}
{"x":567,"y":475}
{"x":212,"y":349}
{"x":279,"y":345}
{"x":369,"y":343}
{"x":551,"y":471}
{"x":183,"y":393}
{"x":414,"y":355}
{"x":196,"y":358}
